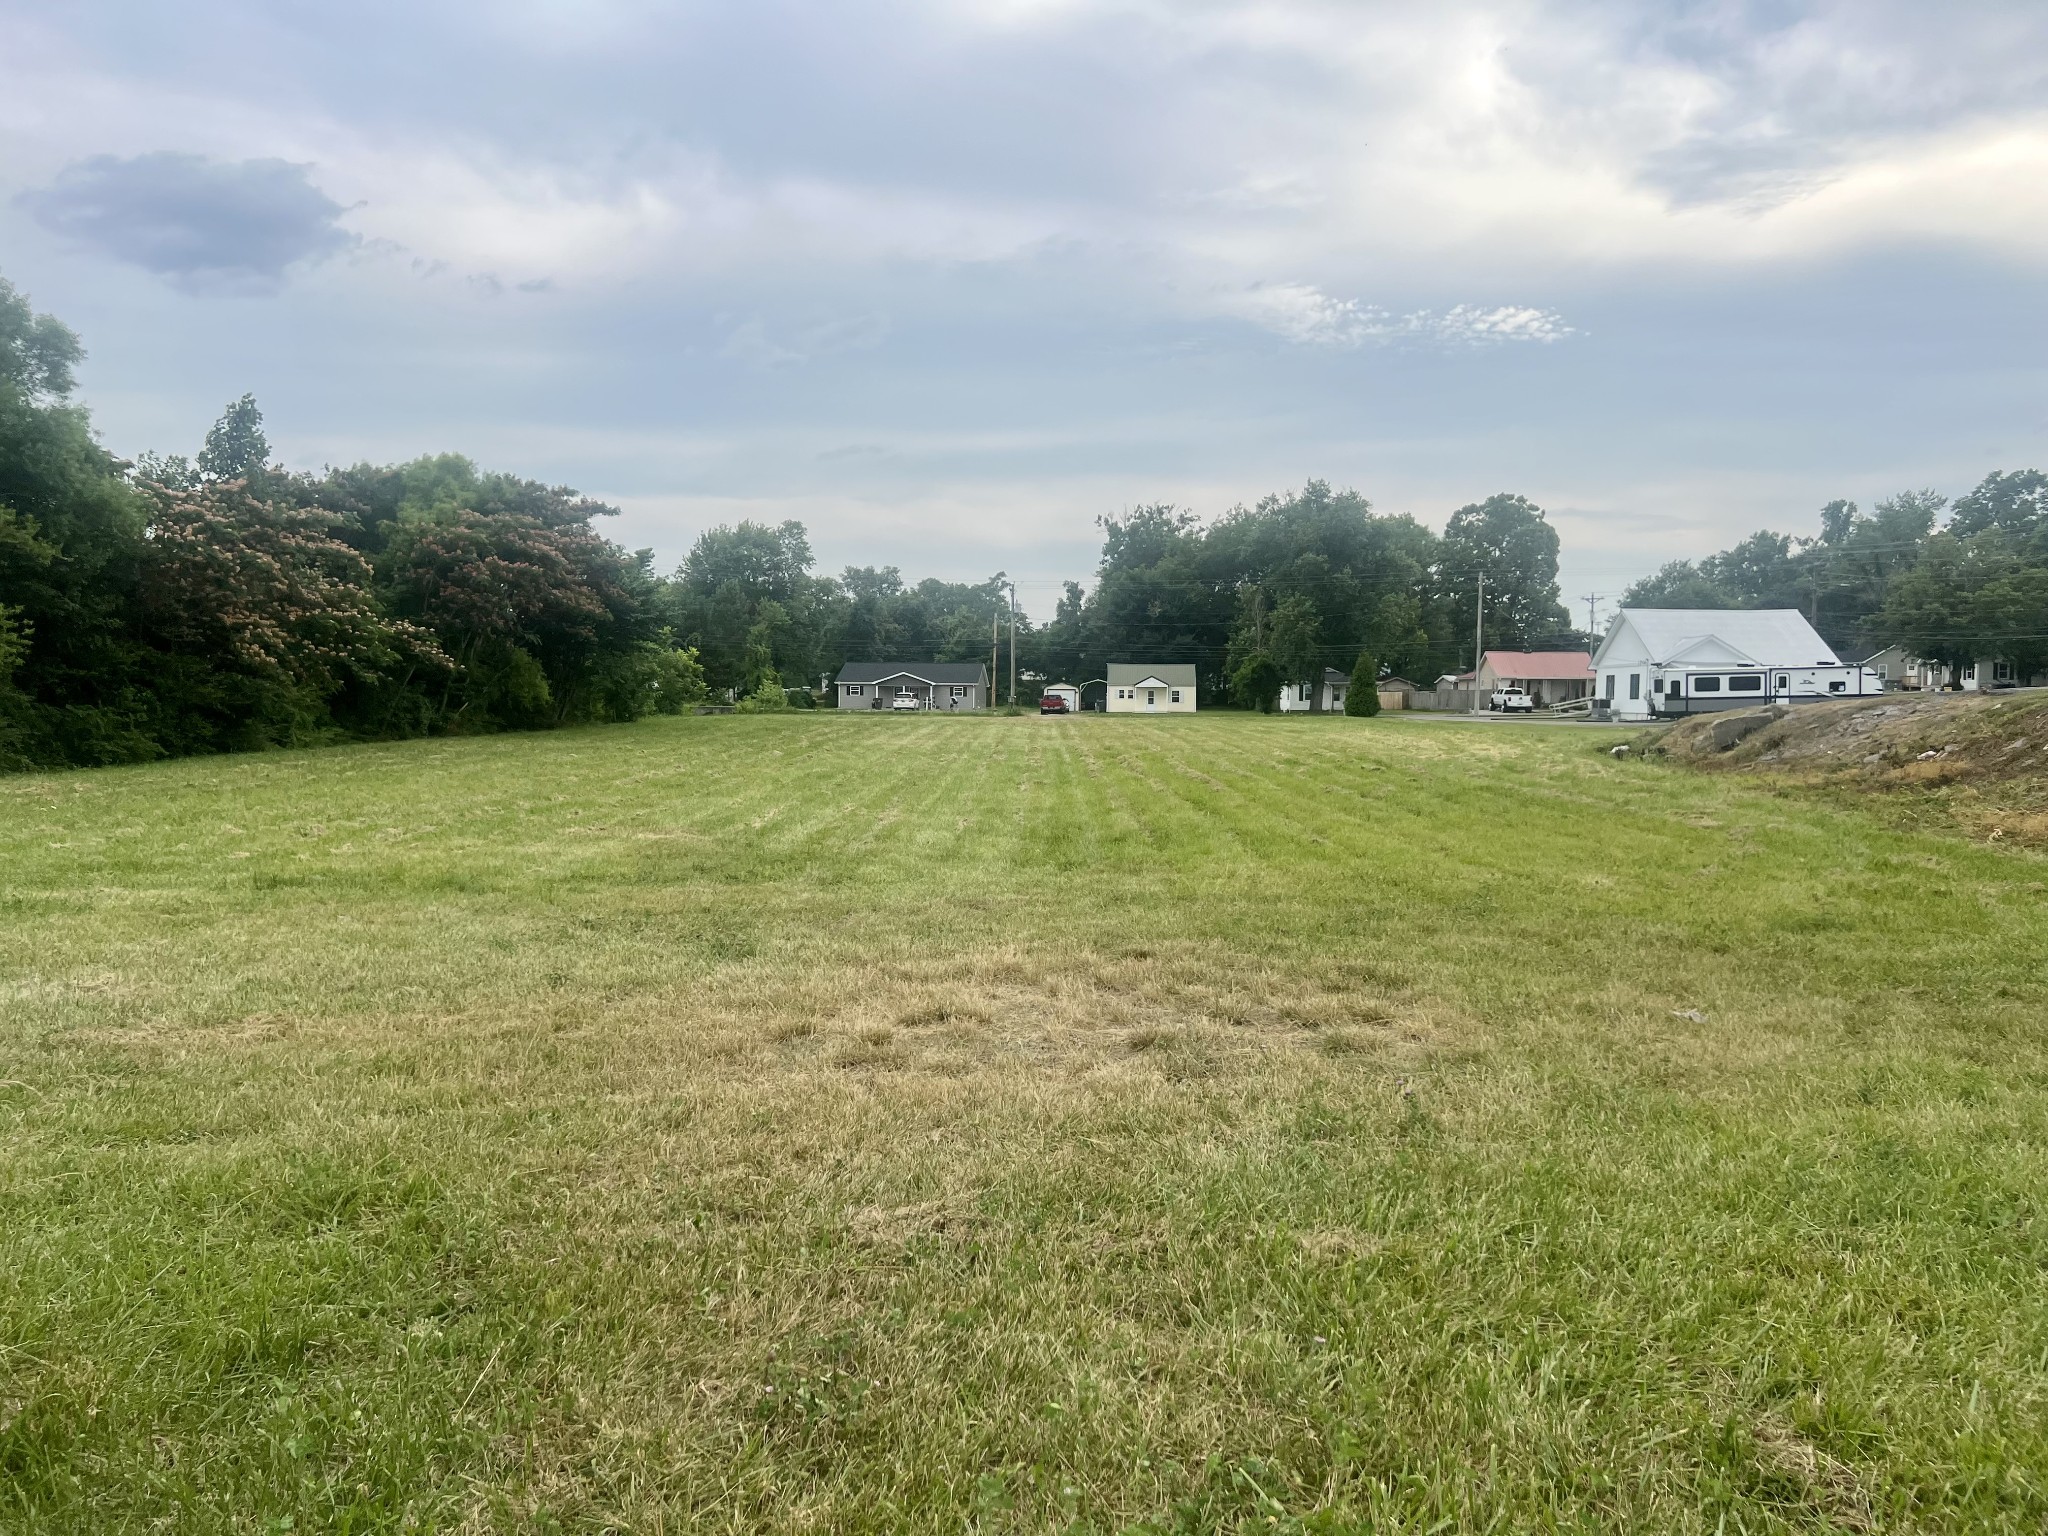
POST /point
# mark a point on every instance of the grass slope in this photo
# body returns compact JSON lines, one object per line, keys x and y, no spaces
{"x":1009,"y":1124}
{"x":1974,"y":762}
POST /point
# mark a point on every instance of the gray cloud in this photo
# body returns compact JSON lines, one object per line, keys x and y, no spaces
{"x":199,"y":222}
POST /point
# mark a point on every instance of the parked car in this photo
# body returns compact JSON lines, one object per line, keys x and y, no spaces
{"x":1513,"y":701}
{"x":1052,"y":704}
{"x":906,"y":701}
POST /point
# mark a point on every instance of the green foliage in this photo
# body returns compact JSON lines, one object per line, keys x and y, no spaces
{"x":1363,"y":696}
{"x":1294,"y":642}
{"x":15,"y":634}
{"x":675,"y":678}
{"x":1508,"y":539}
{"x":767,"y":698}
{"x":1256,"y":682}
{"x":235,"y":445}
{"x":38,"y":353}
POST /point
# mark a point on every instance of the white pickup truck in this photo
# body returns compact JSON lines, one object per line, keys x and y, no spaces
{"x":1512,"y":701}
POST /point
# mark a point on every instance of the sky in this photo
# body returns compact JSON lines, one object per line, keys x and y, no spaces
{"x":947,"y":280}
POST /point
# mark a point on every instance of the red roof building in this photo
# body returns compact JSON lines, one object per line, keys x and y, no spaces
{"x":1550,"y":677}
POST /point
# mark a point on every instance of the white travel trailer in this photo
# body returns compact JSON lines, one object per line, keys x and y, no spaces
{"x":1657,"y":663}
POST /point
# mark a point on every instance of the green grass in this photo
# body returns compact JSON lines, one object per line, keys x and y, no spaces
{"x":813,"y":1123}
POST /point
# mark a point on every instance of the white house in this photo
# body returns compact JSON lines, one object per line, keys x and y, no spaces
{"x":1146,"y":689}
{"x":1300,"y":696}
{"x":1660,"y":662}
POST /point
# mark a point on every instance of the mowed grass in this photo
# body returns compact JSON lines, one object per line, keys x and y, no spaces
{"x":1002,"y":1124}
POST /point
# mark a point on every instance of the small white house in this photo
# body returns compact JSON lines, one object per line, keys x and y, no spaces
{"x":1146,"y":689}
{"x":1662,"y":662}
{"x":1300,"y":696}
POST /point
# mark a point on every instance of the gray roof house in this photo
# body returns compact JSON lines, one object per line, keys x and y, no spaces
{"x":940,"y":685}
{"x":1138,"y":687}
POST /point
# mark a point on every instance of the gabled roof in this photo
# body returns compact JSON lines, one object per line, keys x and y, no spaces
{"x":1763,"y":637}
{"x":1546,"y":666}
{"x":914,"y":671}
{"x":1136,"y":674}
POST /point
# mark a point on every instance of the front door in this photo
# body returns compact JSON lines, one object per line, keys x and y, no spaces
{"x":1781,"y":682}
{"x":1151,"y":698}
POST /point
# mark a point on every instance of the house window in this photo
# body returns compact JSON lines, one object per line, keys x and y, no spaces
{"x":1174,"y":697}
{"x":1706,"y":685}
{"x":1748,"y":682}
{"x":855,"y":690}
{"x":1635,"y":685}
{"x":1610,"y":687}
{"x":2001,"y":671}
{"x":959,"y":692}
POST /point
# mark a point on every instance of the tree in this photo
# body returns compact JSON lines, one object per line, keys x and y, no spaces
{"x":38,"y":353}
{"x":1678,"y":584}
{"x":1257,"y":682}
{"x":1935,"y":610}
{"x":1507,"y":539}
{"x":235,"y":445}
{"x":2016,"y":502}
{"x":1294,"y":646}
{"x":674,"y":679}
{"x":268,"y":588}
{"x":1363,"y":697}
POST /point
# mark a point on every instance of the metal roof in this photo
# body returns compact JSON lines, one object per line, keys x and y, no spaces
{"x":1542,"y":666}
{"x":1766,"y":637}
{"x":1127,"y":674}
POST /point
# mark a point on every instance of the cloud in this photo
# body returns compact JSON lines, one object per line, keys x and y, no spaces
{"x":1306,"y":315}
{"x":198,"y":221}
{"x":756,"y":345}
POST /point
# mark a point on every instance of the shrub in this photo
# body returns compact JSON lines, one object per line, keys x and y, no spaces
{"x":1363,"y":698}
{"x":768,"y":696}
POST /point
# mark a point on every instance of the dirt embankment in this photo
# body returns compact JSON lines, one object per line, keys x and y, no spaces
{"x":1978,"y":760}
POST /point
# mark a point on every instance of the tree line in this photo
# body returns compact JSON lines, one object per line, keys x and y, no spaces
{"x":1951,"y":583}
{"x":220,"y":602}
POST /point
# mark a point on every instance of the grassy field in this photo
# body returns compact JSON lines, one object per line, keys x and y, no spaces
{"x":1003,"y":1124}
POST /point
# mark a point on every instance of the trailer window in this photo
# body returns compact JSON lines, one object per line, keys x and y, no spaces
{"x":1657,"y":686}
{"x":1706,"y":685}
{"x":1748,"y":682}
{"x":1838,"y":687}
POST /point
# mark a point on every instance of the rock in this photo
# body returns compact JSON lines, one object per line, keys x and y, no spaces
{"x":1620,"y":751}
{"x":1730,"y":729}
{"x":1691,"y":1014}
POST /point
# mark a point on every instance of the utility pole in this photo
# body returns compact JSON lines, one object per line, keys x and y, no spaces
{"x":1013,"y":644}
{"x":993,"y":643}
{"x":1592,"y":602}
{"x":1478,"y":639}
